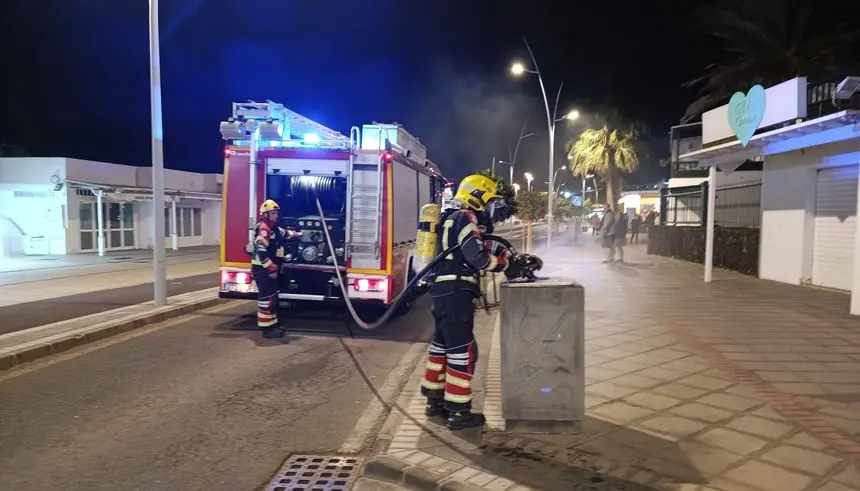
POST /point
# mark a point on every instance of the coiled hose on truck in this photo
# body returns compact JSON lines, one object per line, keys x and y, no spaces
{"x":403,"y":295}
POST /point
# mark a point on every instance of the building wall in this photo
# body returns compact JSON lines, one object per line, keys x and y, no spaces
{"x":685,"y":145}
{"x":723,"y":179}
{"x":788,"y":208}
{"x":187,"y":213}
{"x":33,"y":216}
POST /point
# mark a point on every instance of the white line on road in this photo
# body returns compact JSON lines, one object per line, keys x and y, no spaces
{"x":71,"y":355}
{"x":375,"y":412}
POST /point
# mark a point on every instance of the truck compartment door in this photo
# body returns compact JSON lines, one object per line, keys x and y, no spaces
{"x":365,"y":211}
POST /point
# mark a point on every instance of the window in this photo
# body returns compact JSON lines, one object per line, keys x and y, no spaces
{"x":198,"y":222}
{"x":128,"y":215}
{"x":167,"y":214}
{"x":113,"y":215}
{"x":87,"y":221}
{"x":186,"y":222}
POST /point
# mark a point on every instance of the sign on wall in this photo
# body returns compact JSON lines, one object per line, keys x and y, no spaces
{"x":746,"y":112}
{"x":780,"y":103}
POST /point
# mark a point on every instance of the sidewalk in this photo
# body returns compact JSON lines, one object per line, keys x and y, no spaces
{"x":29,"y":279}
{"x":741,"y":384}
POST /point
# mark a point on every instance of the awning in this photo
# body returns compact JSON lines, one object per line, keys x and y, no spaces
{"x":125,"y":193}
{"x":839,"y":126}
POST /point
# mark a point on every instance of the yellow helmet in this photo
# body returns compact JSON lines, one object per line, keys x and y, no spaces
{"x":476,"y":192}
{"x":269,"y":205}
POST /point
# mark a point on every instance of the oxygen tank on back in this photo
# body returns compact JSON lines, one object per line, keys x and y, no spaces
{"x":427,"y":240}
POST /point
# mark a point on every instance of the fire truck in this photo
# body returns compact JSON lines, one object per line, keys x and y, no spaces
{"x":370,"y":185}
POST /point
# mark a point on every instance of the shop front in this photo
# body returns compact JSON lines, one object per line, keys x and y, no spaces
{"x":808,"y":138}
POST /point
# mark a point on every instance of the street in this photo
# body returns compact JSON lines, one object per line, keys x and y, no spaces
{"x":193,"y":403}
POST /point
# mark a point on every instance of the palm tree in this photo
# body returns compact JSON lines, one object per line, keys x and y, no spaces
{"x":769,"y":41}
{"x":607,"y":150}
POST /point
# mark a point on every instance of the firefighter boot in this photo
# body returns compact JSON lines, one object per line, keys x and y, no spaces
{"x":462,"y":420}
{"x":275,"y":332}
{"x":435,"y":408}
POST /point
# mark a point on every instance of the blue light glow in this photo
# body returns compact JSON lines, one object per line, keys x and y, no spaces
{"x":833,"y":135}
{"x":311,"y":138}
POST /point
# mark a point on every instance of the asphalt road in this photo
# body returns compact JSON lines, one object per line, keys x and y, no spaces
{"x":193,"y":403}
{"x":32,"y":314}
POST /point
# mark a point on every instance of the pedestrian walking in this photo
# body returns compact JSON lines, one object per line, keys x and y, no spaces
{"x":635,"y":227}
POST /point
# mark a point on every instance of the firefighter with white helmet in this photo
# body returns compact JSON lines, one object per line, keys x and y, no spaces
{"x":453,"y":352}
{"x":267,"y":256}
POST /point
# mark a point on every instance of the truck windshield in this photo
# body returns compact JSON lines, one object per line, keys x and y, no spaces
{"x":296,"y":194}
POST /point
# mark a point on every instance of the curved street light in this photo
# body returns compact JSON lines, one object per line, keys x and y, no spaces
{"x":519,"y":69}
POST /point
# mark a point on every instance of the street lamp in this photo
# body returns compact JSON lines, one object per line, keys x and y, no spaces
{"x":516,"y":190}
{"x":529,"y":178}
{"x":158,"y":249}
{"x":519,"y":69}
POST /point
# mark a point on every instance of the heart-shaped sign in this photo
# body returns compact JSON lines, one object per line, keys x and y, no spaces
{"x":746,"y":113}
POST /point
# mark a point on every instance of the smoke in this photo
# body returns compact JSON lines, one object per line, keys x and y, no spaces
{"x":467,"y":118}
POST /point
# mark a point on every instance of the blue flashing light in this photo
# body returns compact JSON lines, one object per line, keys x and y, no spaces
{"x":311,"y":138}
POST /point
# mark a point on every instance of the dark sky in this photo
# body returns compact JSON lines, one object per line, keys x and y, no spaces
{"x":76,"y":72}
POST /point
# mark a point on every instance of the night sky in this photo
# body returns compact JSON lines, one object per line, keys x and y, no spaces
{"x":76,"y":73}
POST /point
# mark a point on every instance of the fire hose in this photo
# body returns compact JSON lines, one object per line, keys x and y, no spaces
{"x":531,"y":264}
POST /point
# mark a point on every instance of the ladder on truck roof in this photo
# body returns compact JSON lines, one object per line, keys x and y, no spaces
{"x":294,"y":123}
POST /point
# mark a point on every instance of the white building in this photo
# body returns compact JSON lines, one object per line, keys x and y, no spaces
{"x":810,"y":177}
{"x":63,"y":206}
{"x":687,"y":138}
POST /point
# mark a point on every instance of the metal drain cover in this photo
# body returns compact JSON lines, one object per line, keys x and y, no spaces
{"x":317,"y":473}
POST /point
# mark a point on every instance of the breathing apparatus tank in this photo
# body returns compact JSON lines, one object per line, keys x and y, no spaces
{"x":427,"y":240}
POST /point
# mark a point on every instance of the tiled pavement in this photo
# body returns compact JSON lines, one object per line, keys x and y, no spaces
{"x":741,"y":384}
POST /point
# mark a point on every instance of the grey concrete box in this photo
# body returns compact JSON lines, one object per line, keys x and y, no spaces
{"x":543,"y":355}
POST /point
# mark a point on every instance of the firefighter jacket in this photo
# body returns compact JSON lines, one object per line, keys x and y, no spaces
{"x":460,"y":269}
{"x":268,"y":246}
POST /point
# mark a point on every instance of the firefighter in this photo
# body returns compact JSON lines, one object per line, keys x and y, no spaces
{"x":265,"y":263}
{"x":453,"y":352}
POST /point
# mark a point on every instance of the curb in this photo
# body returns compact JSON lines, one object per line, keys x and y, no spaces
{"x":411,"y":476}
{"x":30,"y":352}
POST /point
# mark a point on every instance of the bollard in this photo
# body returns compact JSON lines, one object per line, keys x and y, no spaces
{"x":543,"y":355}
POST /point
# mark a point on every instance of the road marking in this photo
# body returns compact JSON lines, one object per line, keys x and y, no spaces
{"x":75,"y":353}
{"x":375,"y":412}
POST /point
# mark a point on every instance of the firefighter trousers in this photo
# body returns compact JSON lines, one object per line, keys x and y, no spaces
{"x":453,"y":353}
{"x":267,"y":298}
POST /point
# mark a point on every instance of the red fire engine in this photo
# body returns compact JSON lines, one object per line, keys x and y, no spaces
{"x":371,"y":186}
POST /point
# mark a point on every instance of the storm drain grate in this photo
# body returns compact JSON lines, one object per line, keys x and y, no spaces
{"x":317,"y":473}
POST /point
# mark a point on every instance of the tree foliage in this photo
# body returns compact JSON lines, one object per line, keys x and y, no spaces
{"x":506,"y":190}
{"x":769,"y":41}
{"x":610,"y":149}
{"x":562,"y":208}
{"x":531,"y":206}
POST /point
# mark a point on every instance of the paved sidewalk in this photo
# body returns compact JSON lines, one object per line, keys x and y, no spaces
{"x":60,"y":276}
{"x":741,"y":384}
{"x":31,"y":344}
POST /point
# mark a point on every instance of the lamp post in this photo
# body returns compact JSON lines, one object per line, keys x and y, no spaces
{"x":158,"y":249}
{"x":520,"y":69}
{"x":529,"y":178}
{"x":523,"y":136}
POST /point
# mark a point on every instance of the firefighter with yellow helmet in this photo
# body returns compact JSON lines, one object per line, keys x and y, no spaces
{"x":266,"y":258}
{"x":453,"y":353}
